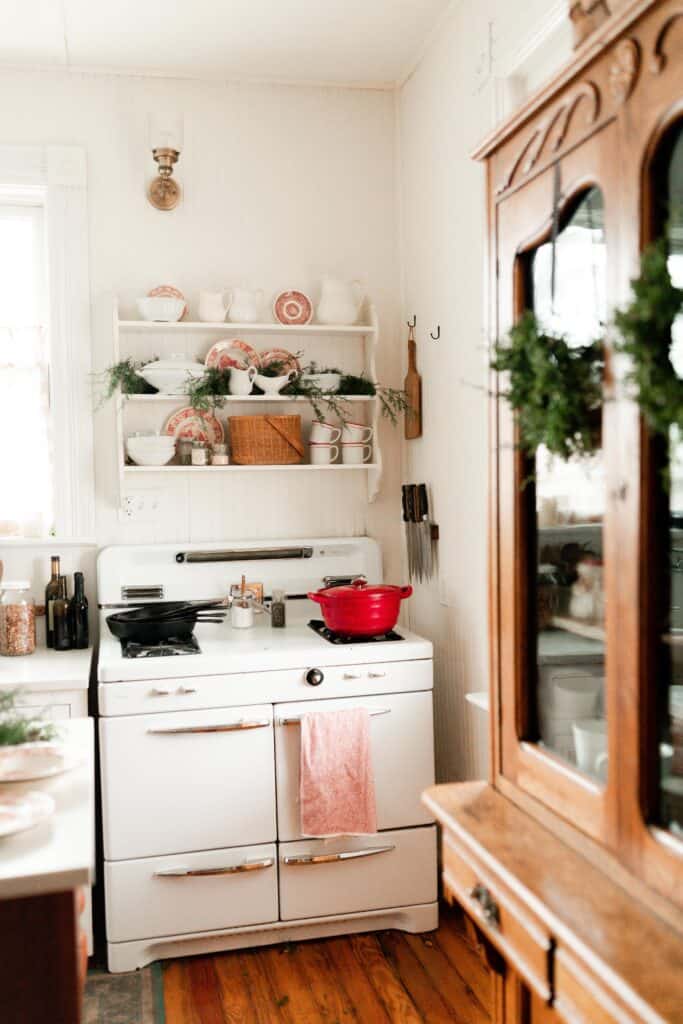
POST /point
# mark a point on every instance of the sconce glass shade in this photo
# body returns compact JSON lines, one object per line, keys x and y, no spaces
{"x":165,"y":131}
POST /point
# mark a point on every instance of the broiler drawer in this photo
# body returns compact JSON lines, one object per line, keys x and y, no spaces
{"x":402,"y":749}
{"x":320,"y":877}
{"x":523,"y":940}
{"x":194,"y":892}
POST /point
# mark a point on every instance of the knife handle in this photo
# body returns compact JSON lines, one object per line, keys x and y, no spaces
{"x":404,"y":499}
{"x":422,"y":503}
{"x":410,"y":503}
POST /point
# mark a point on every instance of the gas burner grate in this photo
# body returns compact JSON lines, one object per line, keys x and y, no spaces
{"x":322,"y":630}
{"x":163,"y":649}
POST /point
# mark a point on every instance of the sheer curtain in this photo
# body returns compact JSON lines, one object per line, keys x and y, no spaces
{"x":26,"y":507}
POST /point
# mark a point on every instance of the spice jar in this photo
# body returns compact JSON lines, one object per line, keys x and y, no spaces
{"x":17,"y":619}
{"x":200,"y":454}
{"x":184,"y":449}
{"x":219,"y":455}
{"x":278,"y":610}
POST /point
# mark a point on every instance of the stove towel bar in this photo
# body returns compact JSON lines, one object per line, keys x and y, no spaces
{"x":246,"y":555}
{"x":297,"y":721}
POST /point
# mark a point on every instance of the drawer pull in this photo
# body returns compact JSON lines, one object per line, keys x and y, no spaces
{"x":185,"y":689}
{"x":352,"y":675}
{"x":330,"y":858}
{"x":156,"y":692}
{"x":234,"y":869}
{"x":489,"y":907}
{"x":297,"y":721}
{"x":376,"y":675}
{"x":260,"y":723}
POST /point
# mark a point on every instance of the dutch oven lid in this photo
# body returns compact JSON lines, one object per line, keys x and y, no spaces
{"x":362,"y":590}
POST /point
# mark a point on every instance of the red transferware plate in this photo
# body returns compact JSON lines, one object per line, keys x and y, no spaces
{"x":167,"y":291}
{"x":232,"y":353}
{"x":195,"y":426}
{"x":293,"y":308}
{"x":280,"y":355}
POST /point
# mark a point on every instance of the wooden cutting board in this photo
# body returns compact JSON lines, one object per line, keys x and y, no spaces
{"x":413,"y":389}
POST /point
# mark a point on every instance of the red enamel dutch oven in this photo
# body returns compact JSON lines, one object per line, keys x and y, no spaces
{"x":361,"y":609}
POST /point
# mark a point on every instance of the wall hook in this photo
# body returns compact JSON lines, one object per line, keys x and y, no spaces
{"x":435,"y":337}
{"x":414,"y":322}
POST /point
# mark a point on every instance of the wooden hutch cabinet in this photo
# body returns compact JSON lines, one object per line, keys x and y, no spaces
{"x":570,"y":860}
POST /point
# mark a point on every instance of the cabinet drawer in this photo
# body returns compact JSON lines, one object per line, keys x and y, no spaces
{"x":517,"y":934}
{"x":320,"y":877}
{"x":191,"y":893}
{"x":581,"y":997}
{"x":198,"y":780}
{"x":401,"y":727}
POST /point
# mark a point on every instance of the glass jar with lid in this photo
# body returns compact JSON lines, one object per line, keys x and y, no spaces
{"x":17,"y":619}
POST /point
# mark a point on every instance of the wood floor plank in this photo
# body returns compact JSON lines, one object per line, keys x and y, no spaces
{"x":205,"y":990}
{"x":178,"y":1001}
{"x":466,"y":960}
{"x":415,"y":978}
{"x":454,"y":990}
{"x":399,"y":1006}
{"x":356,"y":982}
{"x":290,"y":985}
{"x":264,"y":1001}
{"x":234,"y":990}
{"x":326,"y":985}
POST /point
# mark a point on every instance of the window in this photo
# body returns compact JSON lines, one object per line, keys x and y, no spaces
{"x":26,"y":506}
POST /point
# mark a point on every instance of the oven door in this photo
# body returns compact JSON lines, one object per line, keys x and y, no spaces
{"x":199,"y":780}
{"x":402,"y":757}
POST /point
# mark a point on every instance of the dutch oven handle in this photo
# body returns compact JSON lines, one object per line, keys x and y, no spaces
{"x":406,"y":592}
{"x":315,"y":596}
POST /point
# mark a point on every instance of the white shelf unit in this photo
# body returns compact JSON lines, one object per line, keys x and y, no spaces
{"x":164,"y":335}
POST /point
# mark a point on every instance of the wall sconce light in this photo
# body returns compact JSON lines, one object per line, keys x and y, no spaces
{"x":165,"y":139}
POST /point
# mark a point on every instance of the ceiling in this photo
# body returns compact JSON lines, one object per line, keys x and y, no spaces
{"x":343,"y":42}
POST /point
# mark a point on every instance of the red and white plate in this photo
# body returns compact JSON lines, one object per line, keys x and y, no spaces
{"x":280,"y":355}
{"x":293,"y":309}
{"x":232,"y":353}
{"x":195,"y":426}
{"x":167,"y":291}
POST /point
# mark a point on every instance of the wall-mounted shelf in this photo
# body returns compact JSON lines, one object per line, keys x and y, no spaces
{"x":130,"y":337}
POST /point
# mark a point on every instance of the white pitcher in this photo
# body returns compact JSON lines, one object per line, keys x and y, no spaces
{"x":242,"y":381}
{"x":340,"y":302}
{"x":212,"y":307}
{"x":245,"y":305}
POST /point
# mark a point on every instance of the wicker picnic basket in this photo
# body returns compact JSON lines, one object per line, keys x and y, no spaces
{"x":265,"y":440}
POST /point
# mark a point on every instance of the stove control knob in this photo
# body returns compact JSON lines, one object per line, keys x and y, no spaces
{"x":314,"y":677}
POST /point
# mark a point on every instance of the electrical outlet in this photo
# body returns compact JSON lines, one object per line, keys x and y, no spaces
{"x":144,"y":506}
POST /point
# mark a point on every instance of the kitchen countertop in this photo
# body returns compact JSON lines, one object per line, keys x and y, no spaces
{"x":60,"y":853}
{"x":47,"y":670}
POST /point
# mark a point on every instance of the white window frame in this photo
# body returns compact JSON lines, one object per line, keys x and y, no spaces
{"x":59,"y":172}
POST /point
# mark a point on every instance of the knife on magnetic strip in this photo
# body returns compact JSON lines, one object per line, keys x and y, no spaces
{"x":412,"y":531}
{"x":406,"y":521}
{"x":417,"y":557}
{"x":425,"y":531}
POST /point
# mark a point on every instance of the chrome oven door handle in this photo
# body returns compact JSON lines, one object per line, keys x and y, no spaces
{"x":373,"y":713}
{"x":256,"y":723}
{"x":233,"y":869}
{"x":331,"y":858}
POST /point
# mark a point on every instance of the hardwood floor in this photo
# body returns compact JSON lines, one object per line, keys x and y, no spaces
{"x":382,"y":978}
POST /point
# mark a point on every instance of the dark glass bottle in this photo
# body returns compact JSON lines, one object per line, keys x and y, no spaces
{"x":51,"y":593}
{"x":78,"y":615}
{"x":60,"y":615}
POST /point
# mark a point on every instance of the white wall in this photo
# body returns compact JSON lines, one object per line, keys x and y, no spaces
{"x":444,"y":109}
{"x":281,"y":185}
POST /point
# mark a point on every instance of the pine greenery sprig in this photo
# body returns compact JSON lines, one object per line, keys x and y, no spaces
{"x":645,"y":326}
{"x":555,"y":390}
{"x":16,"y":728}
{"x":124,"y":375}
{"x":206,"y":393}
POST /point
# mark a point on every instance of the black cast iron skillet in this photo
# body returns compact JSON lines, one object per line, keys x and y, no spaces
{"x":164,"y":621}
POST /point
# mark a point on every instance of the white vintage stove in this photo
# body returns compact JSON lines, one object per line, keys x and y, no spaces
{"x":200,"y":761}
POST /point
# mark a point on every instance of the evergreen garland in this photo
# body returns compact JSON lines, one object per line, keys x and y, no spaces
{"x":645,"y":328}
{"x":555,"y":390}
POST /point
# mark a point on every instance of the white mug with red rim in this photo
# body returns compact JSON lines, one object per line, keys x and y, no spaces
{"x":323,"y":454}
{"x":356,"y":433}
{"x":355,"y":454}
{"x":324,"y":433}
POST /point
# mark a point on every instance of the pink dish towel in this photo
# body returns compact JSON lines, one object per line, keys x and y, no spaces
{"x":336,"y":781}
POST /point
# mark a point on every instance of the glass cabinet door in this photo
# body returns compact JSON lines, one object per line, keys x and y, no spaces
{"x":566,"y":287}
{"x":669,"y":600}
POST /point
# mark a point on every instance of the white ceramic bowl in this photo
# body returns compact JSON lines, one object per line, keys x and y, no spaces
{"x":151,"y":450}
{"x":324,"y":381}
{"x":141,"y":458}
{"x":161,"y":308}
{"x":170,"y":376}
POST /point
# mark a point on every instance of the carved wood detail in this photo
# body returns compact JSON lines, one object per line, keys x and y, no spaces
{"x":624,"y":69}
{"x":659,"y":58}
{"x":553,"y":132}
